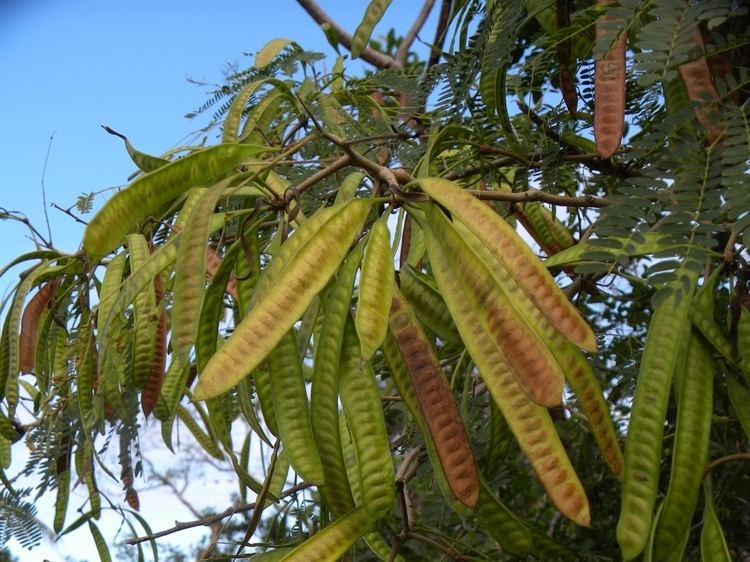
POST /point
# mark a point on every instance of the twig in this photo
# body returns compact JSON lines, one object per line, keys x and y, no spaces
{"x":44,"y":190}
{"x":323,"y":173}
{"x":375,"y":58}
{"x":445,"y":549}
{"x":727,"y":458}
{"x":411,"y":35}
{"x":541,"y":196}
{"x":436,"y":49}
{"x":216,"y":517}
{"x":68,"y":212}
{"x":36,"y":236}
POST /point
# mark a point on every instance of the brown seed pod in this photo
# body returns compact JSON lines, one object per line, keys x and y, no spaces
{"x":609,"y":89}
{"x":152,"y":388}
{"x":30,"y":325}
{"x":700,"y":88}
{"x":435,"y":403}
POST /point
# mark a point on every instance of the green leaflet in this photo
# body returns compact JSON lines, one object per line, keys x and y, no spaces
{"x":148,"y":193}
{"x":375,"y":11}
{"x":299,"y":278}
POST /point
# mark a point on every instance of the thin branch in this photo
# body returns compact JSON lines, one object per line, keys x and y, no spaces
{"x":542,"y":197}
{"x":448,"y":550}
{"x":36,"y":236}
{"x":204,"y":521}
{"x":727,"y":458}
{"x":437,"y":44}
{"x":375,"y":58}
{"x":332,"y":168}
{"x":44,"y":190}
{"x":68,"y":212}
{"x":411,"y":35}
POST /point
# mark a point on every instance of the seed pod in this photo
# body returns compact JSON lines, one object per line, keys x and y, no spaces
{"x":375,"y":11}
{"x":299,"y":277}
{"x":700,"y":88}
{"x":332,"y":542}
{"x":423,"y":295}
{"x":644,"y":440}
{"x":518,"y":259}
{"x":509,"y":531}
{"x":713,"y":544}
{"x":360,"y":399}
{"x":152,"y":388}
{"x":435,"y":403}
{"x":30,"y":324}
{"x":148,"y":193}
{"x":609,"y":86}
{"x":324,"y":397}
{"x":375,"y":290}
{"x":531,"y":424}
{"x":145,"y":319}
{"x":292,"y":414}
{"x":694,"y":407}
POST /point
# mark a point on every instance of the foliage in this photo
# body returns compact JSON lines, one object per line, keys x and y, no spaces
{"x":448,"y":407}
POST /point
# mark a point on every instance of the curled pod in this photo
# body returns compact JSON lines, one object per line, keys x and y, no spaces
{"x":609,"y":85}
{"x":436,"y":403}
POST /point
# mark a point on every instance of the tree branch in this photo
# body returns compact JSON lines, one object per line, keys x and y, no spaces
{"x":436,"y":50}
{"x":214,"y":518}
{"x":375,"y":58}
{"x":411,"y":35}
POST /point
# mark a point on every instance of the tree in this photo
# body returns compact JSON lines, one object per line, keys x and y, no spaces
{"x":447,"y":408}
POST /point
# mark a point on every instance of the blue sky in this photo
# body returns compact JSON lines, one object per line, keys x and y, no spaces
{"x":69,"y":66}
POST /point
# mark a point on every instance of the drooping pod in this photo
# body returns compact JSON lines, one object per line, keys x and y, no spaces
{"x":694,"y":407}
{"x":30,"y":325}
{"x":609,"y":86}
{"x":144,"y":309}
{"x":332,"y":542}
{"x":360,"y":399}
{"x":324,"y":396}
{"x":713,"y":544}
{"x":520,"y":262}
{"x":298,"y":278}
{"x":530,"y":423}
{"x":291,"y":408}
{"x":375,"y":289}
{"x":436,"y":404}
{"x":644,"y":440}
